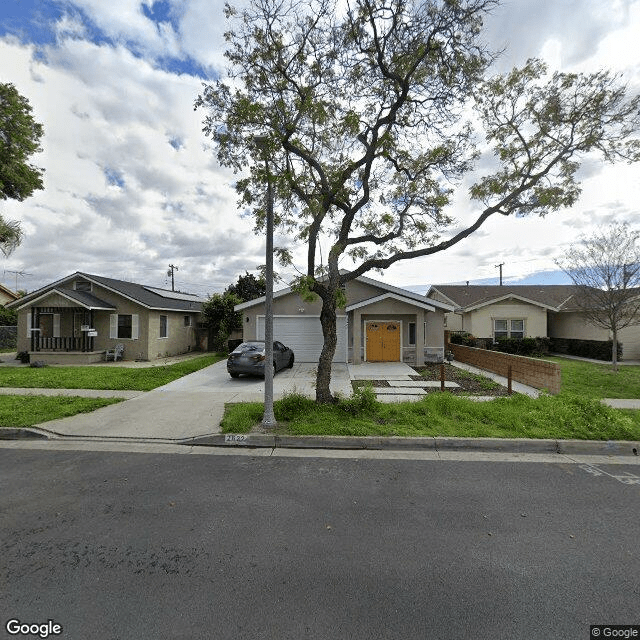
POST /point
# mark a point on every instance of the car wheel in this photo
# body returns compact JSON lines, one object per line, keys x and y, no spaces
{"x":290,"y":365}
{"x":234,"y":375}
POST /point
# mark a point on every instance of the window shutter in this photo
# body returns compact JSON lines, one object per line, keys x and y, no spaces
{"x":135,"y":326}
{"x":56,"y":325}
{"x":113,"y":325}
{"x":29,"y":323}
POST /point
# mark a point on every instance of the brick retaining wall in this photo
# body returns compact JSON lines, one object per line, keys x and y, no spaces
{"x":540,"y":374}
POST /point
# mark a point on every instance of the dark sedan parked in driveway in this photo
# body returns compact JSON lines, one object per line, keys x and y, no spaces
{"x":249,"y":357}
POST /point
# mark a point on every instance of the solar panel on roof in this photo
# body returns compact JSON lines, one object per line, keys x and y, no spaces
{"x":174,"y":295}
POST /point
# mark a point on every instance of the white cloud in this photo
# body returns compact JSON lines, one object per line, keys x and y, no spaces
{"x":131,"y":183}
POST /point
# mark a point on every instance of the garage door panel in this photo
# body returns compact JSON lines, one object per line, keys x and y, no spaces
{"x":304,"y":336}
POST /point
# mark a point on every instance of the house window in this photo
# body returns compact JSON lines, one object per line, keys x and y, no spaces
{"x":125,"y":324}
{"x":164,"y":326}
{"x":412,"y":334}
{"x":508,"y":329}
{"x":82,"y":285}
{"x":188,"y":321}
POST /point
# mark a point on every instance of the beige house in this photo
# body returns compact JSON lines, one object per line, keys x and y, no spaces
{"x":379,"y":323}
{"x":6,"y":295}
{"x":77,"y":318}
{"x":524,"y":311}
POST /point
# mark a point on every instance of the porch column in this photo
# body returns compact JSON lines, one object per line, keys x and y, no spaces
{"x":420,"y":319}
{"x":356,"y":332}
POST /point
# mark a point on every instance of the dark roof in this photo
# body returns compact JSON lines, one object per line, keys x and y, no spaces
{"x":465,"y":296}
{"x":85,"y":298}
{"x":149,"y":297}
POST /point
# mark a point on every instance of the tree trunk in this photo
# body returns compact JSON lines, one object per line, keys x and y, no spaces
{"x":328,"y":321}
{"x":614,"y":349}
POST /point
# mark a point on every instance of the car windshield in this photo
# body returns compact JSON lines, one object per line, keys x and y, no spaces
{"x":250,"y":346}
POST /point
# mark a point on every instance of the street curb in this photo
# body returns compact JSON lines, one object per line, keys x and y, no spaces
{"x":394,"y":443}
{"x":502,"y":445}
{"x":10,"y":433}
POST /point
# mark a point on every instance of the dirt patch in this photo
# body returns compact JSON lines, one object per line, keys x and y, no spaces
{"x":470,"y":383}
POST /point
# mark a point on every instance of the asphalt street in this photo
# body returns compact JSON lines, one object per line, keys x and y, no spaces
{"x":145,"y":545}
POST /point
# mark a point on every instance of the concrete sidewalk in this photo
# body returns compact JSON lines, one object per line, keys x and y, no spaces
{"x":189,"y":407}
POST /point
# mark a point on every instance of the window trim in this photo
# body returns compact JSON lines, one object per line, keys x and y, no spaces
{"x":166,"y":327}
{"x":509,"y":330}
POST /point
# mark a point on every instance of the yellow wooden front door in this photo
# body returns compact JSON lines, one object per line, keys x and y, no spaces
{"x":383,"y":341}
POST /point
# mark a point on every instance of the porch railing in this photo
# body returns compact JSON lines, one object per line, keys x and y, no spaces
{"x":83,"y":343}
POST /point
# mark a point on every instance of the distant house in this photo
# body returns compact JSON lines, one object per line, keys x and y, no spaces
{"x":76,"y":318}
{"x":524,"y":311}
{"x":380,"y":323}
{"x":6,"y":295}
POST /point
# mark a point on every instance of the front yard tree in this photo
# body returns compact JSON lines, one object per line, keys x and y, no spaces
{"x":606,"y":269}
{"x":19,"y":139}
{"x":365,"y":112}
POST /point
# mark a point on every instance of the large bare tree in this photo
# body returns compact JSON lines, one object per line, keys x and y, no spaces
{"x":372,"y":114}
{"x":605,"y":267}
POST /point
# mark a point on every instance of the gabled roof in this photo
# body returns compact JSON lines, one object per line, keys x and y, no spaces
{"x":469,"y":297}
{"x":149,"y":297}
{"x":408,"y":296}
{"x":8,"y":292}
{"x":82,"y":298}
{"x":424,"y":304}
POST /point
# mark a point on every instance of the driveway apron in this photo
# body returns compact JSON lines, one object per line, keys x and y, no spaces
{"x":190,"y":406}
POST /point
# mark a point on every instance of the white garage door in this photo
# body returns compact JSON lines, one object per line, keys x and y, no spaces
{"x":304,"y":336}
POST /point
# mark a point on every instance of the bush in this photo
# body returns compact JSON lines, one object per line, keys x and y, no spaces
{"x":463,"y":338}
{"x":530,"y":347}
{"x":291,"y":406}
{"x":594,"y":349}
{"x":363,"y":401}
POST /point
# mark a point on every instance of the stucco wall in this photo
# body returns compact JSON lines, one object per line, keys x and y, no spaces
{"x":574,"y":325}
{"x":180,"y":339}
{"x":480,"y":321}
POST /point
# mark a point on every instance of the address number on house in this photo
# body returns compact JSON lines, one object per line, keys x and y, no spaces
{"x":236,"y":438}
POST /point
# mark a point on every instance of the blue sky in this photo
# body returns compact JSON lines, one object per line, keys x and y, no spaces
{"x":131,"y":183}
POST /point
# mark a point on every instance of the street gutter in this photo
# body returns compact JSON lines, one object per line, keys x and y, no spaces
{"x":437,"y":443}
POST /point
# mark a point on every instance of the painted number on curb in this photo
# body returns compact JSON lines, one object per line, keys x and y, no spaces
{"x":235,"y":438}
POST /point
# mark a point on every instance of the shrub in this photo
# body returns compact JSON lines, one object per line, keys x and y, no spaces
{"x":531,"y":347}
{"x":363,"y":401}
{"x":292,"y":405}
{"x":463,"y":338}
{"x":595,"y":349}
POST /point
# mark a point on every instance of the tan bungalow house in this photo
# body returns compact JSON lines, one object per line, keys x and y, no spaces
{"x":380,"y":323}
{"x":77,"y":318}
{"x":524,"y":311}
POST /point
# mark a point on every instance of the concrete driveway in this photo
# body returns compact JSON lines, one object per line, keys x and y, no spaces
{"x":190,"y":406}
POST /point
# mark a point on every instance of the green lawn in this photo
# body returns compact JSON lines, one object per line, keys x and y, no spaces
{"x":598,"y":380}
{"x":25,"y":411}
{"x":96,"y":377}
{"x":442,"y":414}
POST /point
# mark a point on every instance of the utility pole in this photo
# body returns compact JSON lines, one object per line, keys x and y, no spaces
{"x":268,"y":418}
{"x":499,"y":266}
{"x":172,"y":268}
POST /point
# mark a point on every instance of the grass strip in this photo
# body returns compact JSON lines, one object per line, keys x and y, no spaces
{"x":598,"y":380}
{"x":96,"y":377}
{"x":565,"y":416}
{"x":26,"y":411}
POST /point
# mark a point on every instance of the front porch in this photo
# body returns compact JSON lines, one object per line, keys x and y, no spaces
{"x":67,"y":357}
